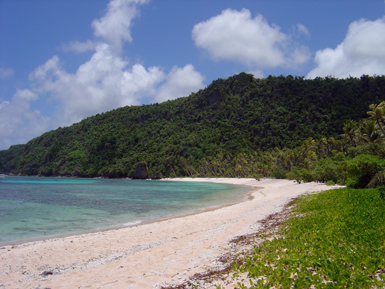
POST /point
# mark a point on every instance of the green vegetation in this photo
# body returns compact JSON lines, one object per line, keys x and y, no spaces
{"x":284,"y":127}
{"x":335,"y":240}
{"x":356,"y":160}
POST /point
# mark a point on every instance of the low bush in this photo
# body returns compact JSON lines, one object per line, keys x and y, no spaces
{"x":330,"y":183}
{"x":362,"y":169}
{"x":300,"y":175}
{"x":336,"y":241}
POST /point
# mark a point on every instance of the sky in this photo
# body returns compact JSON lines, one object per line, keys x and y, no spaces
{"x":64,"y":60}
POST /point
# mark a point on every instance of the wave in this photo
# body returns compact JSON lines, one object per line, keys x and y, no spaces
{"x":132,"y":223}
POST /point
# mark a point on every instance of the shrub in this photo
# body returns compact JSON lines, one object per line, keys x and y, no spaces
{"x":330,"y":170}
{"x":362,"y":169}
{"x":258,"y":177}
{"x":355,"y":183}
{"x":279,"y":174}
{"x":300,"y":175}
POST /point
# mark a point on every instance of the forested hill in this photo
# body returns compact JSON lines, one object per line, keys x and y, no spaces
{"x":240,"y":114}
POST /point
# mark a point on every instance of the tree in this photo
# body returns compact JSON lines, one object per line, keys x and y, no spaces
{"x":368,"y":132}
{"x":350,"y":131}
{"x":378,"y":179}
{"x":377,"y":113}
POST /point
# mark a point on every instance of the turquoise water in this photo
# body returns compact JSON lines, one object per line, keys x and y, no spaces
{"x":33,"y":207}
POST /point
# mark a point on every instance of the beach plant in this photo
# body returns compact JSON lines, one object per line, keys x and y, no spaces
{"x":337,"y":240}
{"x":362,"y":169}
{"x":258,"y":177}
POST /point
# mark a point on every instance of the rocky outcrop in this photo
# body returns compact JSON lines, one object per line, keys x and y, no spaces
{"x":157,"y":176}
{"x":139,"y":171}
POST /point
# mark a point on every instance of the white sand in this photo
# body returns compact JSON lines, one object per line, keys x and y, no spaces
{"x":148,"y":255}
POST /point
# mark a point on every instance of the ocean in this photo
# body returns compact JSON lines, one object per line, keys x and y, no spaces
{"x":39,"y":208}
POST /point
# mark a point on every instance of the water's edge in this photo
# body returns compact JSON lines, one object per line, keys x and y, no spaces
{"x":246,"y":196}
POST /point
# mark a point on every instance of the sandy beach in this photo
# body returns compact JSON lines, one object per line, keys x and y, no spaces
{"x":148,"y":255}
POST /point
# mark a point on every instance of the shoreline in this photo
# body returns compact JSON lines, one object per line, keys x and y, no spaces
{"x":246,"y":196}
{"x":147,"y":255}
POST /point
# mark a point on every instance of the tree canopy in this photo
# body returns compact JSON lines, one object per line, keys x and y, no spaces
{"x":227,"y":129}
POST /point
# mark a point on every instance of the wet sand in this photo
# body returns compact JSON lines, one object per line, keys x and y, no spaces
{"x":148,"y":255}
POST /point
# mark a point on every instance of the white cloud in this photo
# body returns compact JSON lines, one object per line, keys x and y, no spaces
{"x":257,"y":73}
{"x":234,"y":35}
{"x":103,"y":83}
{"x":361,"y":52}
{"x":25,"y":95}
{"x":18,"y":123}
{"x":79,"y":47}
{"x":302,"y":29}
{"x":4,"y":104}
{"x":114,"y":26}
{"x":6,"y":72}
{"x":180,"y":82}
{"x":106,"y":82}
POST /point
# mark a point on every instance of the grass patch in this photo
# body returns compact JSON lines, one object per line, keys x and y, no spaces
{"x":337,"y":240}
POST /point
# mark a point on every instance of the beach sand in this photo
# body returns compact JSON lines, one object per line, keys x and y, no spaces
{"x":148,"y":255}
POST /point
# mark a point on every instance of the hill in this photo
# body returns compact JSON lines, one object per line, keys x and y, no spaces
{"x":240,"y":114}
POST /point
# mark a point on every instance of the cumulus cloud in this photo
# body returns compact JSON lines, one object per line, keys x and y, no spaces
{"x":361,"y":52}
{"x":6,"y":72}
{"x":18,"y":123}
{"x":114,"y":26}
{"x":106,"y":82}
{"x":180,"y":82}
{"x":234,"y":35}
{"x":102,"y":83}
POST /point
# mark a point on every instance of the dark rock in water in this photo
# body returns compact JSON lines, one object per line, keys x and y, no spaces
{"x":139,"y":171}
{"x":157,"y":176}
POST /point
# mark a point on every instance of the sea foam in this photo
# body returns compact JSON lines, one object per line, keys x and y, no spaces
{"x":132,"y":223}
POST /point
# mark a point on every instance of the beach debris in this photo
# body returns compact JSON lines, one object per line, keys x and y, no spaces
{"x":47,"y":272}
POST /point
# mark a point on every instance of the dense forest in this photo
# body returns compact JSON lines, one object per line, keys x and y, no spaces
{"x":236,"y":127}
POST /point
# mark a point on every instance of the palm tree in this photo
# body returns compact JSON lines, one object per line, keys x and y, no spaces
{"x":368,"y":131}
{"x":331,"y":144}
{"x":377,"y":180}
{"x":350,"y":131}
{"x":307,"y":146}
{"x":322,"y":147}
{"x":377,"y":113}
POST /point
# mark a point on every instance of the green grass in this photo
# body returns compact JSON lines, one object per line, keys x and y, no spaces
{"x":337,"y":240}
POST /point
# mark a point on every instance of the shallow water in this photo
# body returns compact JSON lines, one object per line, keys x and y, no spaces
{"x":32,"y":207}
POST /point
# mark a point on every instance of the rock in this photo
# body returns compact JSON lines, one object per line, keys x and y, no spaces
{"x":157,"y":176}
{"x":139,"y":171}
{"x":46,"y":273}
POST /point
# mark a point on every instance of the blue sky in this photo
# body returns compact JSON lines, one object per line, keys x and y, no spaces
{"x":64,"y":60}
